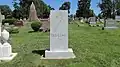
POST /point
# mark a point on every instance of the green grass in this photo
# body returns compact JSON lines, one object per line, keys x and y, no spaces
{"x":92,"y":46}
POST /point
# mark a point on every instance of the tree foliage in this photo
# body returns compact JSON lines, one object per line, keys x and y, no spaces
{"x":65,"y":6}
{"x":5,"y":10}
{"x":17,"y":12}
{"x":117,"y":7}
{"x":100,"y":15}
{"x":106,"y":7}
{"x":83,"y":8}
{"x":23,"y":7}
{"x":42,"y":9}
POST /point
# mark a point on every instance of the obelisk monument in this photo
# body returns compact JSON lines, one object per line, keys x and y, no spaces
{"x":33,"y":13}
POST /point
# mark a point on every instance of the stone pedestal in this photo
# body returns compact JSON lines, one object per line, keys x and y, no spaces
{"x":59,"y":54}
{"x":11,"y":57}
{"x":59,"y":36}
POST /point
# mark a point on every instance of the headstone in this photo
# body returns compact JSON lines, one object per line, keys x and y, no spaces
{"x":0,"y":17}
{"x":33,"y":13}
{"x":98,"y":19}
{"x":24,"y":19}
{"x":92,"y":21}
{"x":6,"y":24}
{"x":21,"y":20}
{"x":110,"y":24}
{"x":82,"y":20}
{"x":3,"y":17}
{"x":59,"y":36}
{"x":5,"y":48}
{"x":117,"y":18}
{"x":101,"y":20}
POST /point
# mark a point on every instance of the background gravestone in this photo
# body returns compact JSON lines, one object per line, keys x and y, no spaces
{"x":102,"y":20}
{"x":59,"y":36}
{"x":117,"y":18}
{"x":2,"y":17}
{"x":110,"y":24}
{"x":92,"y":21}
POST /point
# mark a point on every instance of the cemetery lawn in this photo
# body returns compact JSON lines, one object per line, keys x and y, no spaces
{"x":92,"y":46}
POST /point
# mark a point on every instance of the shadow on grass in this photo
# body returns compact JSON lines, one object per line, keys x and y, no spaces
{"x":14,"y":33}
{"x":40,"y":52}
{"x":35,"y":31}
{"x":31,"y":31}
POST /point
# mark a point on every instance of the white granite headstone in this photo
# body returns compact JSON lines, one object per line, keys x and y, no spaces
{"x":59,"y":31}
{"x":59,"y":36}
{"x":7,"y":50}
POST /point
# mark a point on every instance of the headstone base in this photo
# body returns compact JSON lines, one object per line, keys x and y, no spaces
{"x":59,"y":54}
{"x":8,"y":58}
{"x":110,"y":27}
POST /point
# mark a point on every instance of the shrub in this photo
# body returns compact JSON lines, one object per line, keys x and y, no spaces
{"x":36,"y":25}
{"x":15,"y":30}
{"x":12,"y":29}
{"x":10,"y":21}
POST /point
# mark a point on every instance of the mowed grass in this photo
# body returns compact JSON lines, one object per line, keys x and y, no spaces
{"x":92,"y":46}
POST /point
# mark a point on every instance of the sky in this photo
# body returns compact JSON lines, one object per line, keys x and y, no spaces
{"x":57,"y":3}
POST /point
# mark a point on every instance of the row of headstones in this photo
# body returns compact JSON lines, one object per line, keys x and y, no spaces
{"x":108,"y":23}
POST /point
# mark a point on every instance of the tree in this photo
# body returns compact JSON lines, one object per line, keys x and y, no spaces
{"x":15,"y":4}
{"x":47,"y":11}
{"x":91,"y":13}
{"x":106,"y":7}
{"x":117,"y":6}
{"x":5,"y":10}
{"x":41,"y":7}
{"x":83,"y":8}
{"x":17,"y":13}
{"x":65,"y":6}
{"x":100,"y":15}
